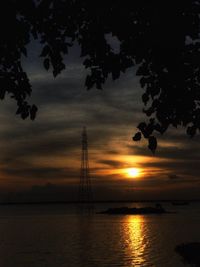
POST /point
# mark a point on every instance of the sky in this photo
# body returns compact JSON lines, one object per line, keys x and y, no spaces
{"x":40,"y":160}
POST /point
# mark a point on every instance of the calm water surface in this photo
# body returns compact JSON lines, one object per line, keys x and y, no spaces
{"x":59,"y":235}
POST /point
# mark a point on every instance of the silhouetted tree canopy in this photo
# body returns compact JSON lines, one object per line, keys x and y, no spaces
{"x":159,"y":37}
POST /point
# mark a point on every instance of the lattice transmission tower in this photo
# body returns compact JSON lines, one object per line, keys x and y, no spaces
{"x":85,"y":188}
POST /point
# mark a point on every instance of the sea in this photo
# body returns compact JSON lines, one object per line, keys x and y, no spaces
{"x":67,"y":235}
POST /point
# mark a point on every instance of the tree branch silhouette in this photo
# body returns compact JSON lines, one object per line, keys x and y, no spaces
{"x":160,"y":38}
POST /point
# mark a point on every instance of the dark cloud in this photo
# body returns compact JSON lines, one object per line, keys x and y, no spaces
{"x":174,"y":176}
{"x":35,"y":173}
{"x":111,"y":163}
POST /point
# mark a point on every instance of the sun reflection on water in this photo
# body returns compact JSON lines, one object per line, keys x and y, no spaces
{"x":134,"y":239}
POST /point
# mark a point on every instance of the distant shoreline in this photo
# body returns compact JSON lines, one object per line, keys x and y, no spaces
{"x":94,"y":202}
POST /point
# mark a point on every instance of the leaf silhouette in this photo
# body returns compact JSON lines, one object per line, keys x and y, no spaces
{"x":46,"y":63}
{"x":137,"y":136}
{"x":152,"y":143}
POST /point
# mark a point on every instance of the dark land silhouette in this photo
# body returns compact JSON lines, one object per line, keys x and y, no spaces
{"x":190,"y":253}
{"x":135,"y":211}
{"x":160,"y":38}
{"x":180,"y":203}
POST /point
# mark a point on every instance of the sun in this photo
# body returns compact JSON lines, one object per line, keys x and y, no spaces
{"x":133,"y":172}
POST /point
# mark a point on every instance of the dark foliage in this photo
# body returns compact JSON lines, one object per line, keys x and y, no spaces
{"x":159,"y":37}
{"x":190,"y":253}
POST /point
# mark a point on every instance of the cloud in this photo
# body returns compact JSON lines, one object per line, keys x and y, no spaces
{"x":173,"y":176}
{"x":111,"y":163}
{"x":44,"y":173}
{"x":49,"y":148}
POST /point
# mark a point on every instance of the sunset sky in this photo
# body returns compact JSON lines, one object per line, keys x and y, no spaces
{"x":40,"y":160}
